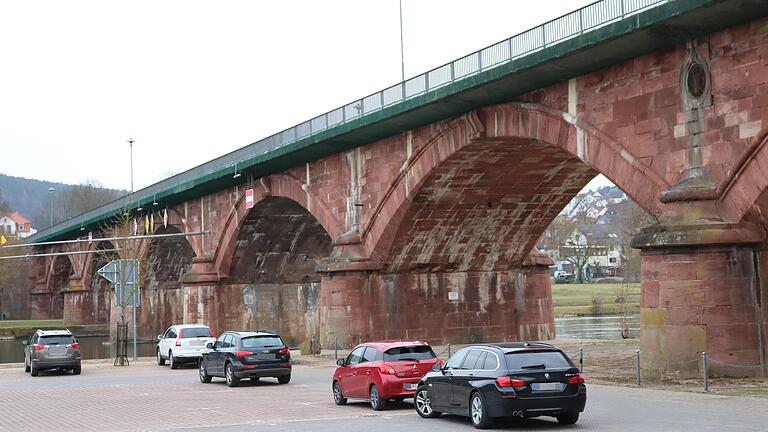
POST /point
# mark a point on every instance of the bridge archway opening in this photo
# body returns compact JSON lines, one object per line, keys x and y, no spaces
{"x":168,"y":259}
{"x":272,"y":276}
{"x":100,"y":288}
{"x":62,"y":271}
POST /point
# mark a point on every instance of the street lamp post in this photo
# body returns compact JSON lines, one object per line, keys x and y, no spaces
{"x":402,"y":55}
{"x":133,"y":306}
{"x":50,"y":204}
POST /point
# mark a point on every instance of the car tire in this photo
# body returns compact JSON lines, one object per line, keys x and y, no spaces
{"x":229,"y":375}
{"x":160,"y":359}
{"x":33,"y":370}
{"x":423,"y":403}
{"x":378,"y":403}
{"x":172,"y":360}
{"x":26,"y":366}
{"x":478,"y":414}
{"x":338,"y":396}
{"x":76,"y":370}
{"x":203,"y":372}
{"x":285,"y":379}
{"x":567,"y":418}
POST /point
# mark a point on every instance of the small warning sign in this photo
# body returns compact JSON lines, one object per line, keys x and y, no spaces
{"x":249,"y":198}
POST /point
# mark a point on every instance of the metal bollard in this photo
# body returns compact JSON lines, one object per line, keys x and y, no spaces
{"x":706,"y":372}
{"x":581,"y":359}
{"x":336,"y":347}
{"x":637,"y":365}
{"x":449,"y":350}
{"x":312,"y":346}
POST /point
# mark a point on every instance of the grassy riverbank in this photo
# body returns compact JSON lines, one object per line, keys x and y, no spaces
{"x":577,"y":299}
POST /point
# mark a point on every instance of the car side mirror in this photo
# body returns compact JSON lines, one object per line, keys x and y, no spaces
{"x":341,"y":362}
{"x":25,"y":342}
{"x":209,"y":345}
{"x":159,"y":337}
{"x":437,"y":368}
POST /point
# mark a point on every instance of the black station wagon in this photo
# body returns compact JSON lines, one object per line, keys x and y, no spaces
{"x":485,"y":382}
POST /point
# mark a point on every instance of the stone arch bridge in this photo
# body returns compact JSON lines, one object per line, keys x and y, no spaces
{"x":418,"y":218}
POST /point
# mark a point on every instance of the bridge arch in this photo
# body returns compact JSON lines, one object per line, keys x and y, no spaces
{"x":274,"y":186}
{"x":571,"y":152}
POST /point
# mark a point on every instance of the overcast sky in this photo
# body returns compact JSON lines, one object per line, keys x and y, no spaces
{"x":192,"y":80}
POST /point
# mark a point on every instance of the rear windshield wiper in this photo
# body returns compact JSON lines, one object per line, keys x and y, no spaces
{"x":536,"y":366}
{"x":409,"y":359}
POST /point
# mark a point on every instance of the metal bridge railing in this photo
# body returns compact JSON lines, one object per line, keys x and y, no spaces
{"x":560,"y":29}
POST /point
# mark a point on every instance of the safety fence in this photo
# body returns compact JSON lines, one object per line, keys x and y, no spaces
{"x":703,"y":360}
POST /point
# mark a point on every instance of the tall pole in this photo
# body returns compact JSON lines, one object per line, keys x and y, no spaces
{"x":130,"y":144}
{"x":50,"y":203}
{"x":402,"y":55}
{"x":133,"y":308}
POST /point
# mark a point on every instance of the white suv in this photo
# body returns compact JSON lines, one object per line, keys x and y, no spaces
{"x":183,"y":343}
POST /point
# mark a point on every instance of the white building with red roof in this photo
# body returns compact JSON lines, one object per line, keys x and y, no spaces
{"x":15,"y":225}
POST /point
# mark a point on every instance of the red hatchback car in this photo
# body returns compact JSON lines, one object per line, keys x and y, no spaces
{"x":382,"y":371}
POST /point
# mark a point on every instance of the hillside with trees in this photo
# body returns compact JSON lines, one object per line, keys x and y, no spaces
{"x":30,"y":198}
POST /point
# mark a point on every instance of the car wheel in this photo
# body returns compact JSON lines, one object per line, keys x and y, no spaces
{"x":160,"y":359}
{"x":26,"y":365}
{"x":229,"y":375}
{"x":377,"y":402}
{"x":285,"y":379}
{"x":76,"y":370}
{"x":172,"y":361}
{"x":33,"y":370}
{"x":567,"y":418}
{"x":204,"y":377}
{"x":423,"y":404}
{"x":338,"y":397}
{"x":477,"y":412}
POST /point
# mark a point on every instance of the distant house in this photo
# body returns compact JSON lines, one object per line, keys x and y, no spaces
{"x":15,"y":225}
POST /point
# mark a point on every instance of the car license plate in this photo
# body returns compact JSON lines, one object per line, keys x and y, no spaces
{"x":196,"y":342}
{"x":550,"y":386}
{"x":409,"y":387}
{"x":57,"y":350}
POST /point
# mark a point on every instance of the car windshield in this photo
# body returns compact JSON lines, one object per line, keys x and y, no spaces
{"x":262,"y":342}
{"x":410,"y":353}
{"x":195,"y":332}
{"x":56,"y":340}
{"x":528,"y":360}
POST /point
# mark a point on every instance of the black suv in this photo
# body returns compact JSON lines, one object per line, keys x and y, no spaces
{"x":510,"y":380}
{"x":254,"y":355}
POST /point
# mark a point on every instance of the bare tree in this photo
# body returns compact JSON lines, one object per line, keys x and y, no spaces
{"x":75,"y":200}
{"x":578,"y":246}
{"x":125,"y":228}
{"x":629,"y":219}
{"x":14,"y":294}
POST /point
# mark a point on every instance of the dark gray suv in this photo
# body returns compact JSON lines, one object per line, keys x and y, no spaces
{"x":52,"y":349}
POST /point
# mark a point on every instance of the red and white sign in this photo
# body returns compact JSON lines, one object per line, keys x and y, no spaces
{"x":249,"y":198}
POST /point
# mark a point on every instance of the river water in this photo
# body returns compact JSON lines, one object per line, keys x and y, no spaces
{"x":595,"y":327}
{"x":589,"y":327}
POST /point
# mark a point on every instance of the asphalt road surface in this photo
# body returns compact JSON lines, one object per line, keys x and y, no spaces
{"x":148,"y":397}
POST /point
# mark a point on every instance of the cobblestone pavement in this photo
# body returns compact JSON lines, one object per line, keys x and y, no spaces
{"x":148,"y":397}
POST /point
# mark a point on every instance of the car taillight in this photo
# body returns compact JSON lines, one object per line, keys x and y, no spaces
{"x":74,"y":345}
{"x":505,"y":381}
{"x":284,"y":351}
{"x":577,"y":379}
{"x":38,"y":347}
{"x":241,"y":354}
{"x":387,"y":369}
